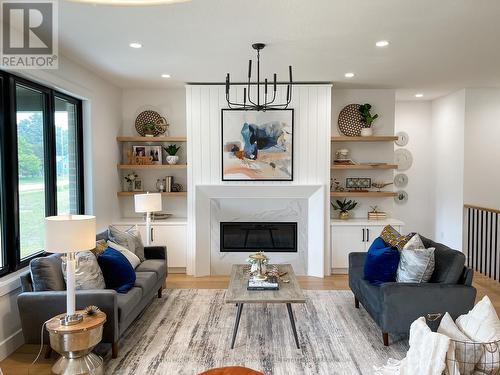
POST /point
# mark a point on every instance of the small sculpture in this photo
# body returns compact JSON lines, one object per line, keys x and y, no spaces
{"x":258,"y":263}
{"x":92,"y":310}
{"x":381,"y":185}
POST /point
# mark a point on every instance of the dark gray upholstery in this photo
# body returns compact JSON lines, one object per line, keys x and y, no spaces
{"x":46,"y":271}
{"x":394,"y":306}
{"x":121,"y":309}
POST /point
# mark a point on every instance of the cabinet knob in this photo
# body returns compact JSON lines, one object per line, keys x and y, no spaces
{"x":363,"y":234}
{"x":152,"y":238}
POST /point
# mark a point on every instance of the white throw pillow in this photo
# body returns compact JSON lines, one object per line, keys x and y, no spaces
{"x":131,"y":257}
{"x":414,"y":243}
{"x":481,"y":324}
{"x":463,"y":354}
{"x":88,"y":274}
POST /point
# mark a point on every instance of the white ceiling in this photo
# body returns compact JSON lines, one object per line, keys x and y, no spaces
{"x":436,"y":46}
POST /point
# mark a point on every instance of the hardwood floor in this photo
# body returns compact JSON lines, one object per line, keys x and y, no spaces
{"x":19,"y":362}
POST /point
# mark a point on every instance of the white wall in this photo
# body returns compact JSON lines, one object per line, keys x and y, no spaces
{"x":102,"y":121}
{"x":482,"y":148}
{"x":312,"y":105}
{"x":415,"y":118}
{"x":447,"y":149}
{"x":170,"y":103}
{"x":383,"y":103}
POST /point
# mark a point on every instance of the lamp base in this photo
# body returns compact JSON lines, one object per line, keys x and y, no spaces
{"x":69,"y":320}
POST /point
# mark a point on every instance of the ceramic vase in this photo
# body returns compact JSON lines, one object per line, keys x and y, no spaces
{"x":366,"y":132}
{"x":172,"y":159}
{"x":344,"y":215}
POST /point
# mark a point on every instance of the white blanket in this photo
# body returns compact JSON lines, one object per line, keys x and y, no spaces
{"x":426,"y":356}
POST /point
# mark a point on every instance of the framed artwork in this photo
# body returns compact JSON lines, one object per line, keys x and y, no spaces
{"x":357,"y":183}
{"x":257,"y":145}
{"x":137,"y":184}
{"x":156,"y":153}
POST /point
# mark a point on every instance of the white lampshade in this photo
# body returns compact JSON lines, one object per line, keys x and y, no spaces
{"x":69,"y":233}
{"x":148,"y":202}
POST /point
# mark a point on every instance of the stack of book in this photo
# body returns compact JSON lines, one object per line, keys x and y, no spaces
{"x":271,"y":283}
{"x":377,"y":215}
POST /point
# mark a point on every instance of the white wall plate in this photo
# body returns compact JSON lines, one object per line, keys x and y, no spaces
{"x":401,"y":197}
{"x":403,"y":158}
{"x":403,"y":138}
{"x":400,"y":180}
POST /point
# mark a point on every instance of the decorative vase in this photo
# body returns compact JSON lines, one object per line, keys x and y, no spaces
{"x":172,"y":159}
{"x":128,"y":186}
{"x":344,"y":215}
{"x":366,"y":132}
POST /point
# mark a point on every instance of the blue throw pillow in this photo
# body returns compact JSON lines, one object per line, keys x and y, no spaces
{"x":381,"y":264}
{"x":117,"y":271}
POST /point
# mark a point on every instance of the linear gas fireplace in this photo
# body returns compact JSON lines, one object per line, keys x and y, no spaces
{"x":277,"y":237}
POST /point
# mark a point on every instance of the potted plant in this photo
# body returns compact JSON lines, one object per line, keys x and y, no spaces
{"x":149,"y":129}
{"x":344,"y":207}
{"x":129,"y":179}
{"x":367,"y":118}
{"x":171,"y":151}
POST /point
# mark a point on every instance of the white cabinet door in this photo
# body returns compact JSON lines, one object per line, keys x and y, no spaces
{"x":174,"y":238}
{"x":345,"y":239}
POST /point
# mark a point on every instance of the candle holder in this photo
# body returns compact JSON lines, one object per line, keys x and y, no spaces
{"x":258,"y":262}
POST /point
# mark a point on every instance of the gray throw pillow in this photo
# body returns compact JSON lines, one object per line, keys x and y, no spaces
{"x":130,"y":238}
{"x":415,"y":266}
{"x":46,"y":273}
{"x":88,"y":274}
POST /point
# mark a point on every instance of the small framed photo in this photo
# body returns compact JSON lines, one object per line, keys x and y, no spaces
{"x":156,"y":153}
{"x":137,"y":184}
{"x":139,"y":151}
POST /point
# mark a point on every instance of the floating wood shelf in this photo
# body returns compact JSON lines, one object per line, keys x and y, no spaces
{"x":171,"y":194}
{"x":363,"y":166}
{"x":374,"y":138}
{"x":361,"y":194}
{"x":150,"y":139}
{"x":154,"y":166}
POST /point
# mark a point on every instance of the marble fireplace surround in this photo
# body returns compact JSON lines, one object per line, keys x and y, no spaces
{"x":302,"y":203}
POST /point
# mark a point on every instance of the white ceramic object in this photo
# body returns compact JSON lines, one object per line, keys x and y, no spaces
{"x":401,"y":197}
{"x":403,"y":159}
{"x":400,"y":180}
{"x":172,"y":159}
{"x":366,"y":132}
{"x":403,"y":138}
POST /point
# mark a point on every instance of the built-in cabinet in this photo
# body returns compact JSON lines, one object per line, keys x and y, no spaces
{"x":354,"y":235}
{"x":171,"y":234}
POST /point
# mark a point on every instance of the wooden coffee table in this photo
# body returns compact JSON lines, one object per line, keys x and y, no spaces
{"x":288,"y":293}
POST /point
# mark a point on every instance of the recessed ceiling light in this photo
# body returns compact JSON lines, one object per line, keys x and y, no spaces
{"x":349,"y":75}
{"x":382,"y":43}
{"x":135,"y":45}
{"x":165,"y":76}
{"x":419,"y":95}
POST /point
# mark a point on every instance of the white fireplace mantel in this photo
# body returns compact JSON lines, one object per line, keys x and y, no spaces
{"x":314,"y":195}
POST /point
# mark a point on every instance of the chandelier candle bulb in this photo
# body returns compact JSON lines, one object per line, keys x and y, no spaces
{"x":290,"y":72}
{"x":288,"y":93}
{"x":274,"y":82}
{"x":227,"y":84}
{"x":265,"y":86}
{"x":249,"y":68}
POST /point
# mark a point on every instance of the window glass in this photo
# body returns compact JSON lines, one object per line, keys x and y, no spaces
{"x":30,"y":118}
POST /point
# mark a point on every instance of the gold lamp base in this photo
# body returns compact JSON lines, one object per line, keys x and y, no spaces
{"x":69,"y":320}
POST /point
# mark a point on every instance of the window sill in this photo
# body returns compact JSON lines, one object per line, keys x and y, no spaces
{"x":11,"y":282}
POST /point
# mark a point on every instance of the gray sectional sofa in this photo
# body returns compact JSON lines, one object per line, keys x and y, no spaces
{"x":121,"y":309}
{"x":394,"y":306}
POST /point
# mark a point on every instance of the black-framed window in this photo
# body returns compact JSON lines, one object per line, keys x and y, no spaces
{"x":41,"y":165}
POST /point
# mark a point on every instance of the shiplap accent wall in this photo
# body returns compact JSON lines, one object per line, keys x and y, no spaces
{"x":312,"y":130}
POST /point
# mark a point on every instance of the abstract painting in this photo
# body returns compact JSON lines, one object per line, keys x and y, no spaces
{"x":257,"y":145}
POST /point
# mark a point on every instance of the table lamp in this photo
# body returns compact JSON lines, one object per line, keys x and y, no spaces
{"x":147,"y":203}
{"x":68,"y":234}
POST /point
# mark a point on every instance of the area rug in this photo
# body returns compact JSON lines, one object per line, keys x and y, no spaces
{"x":189,"y":331}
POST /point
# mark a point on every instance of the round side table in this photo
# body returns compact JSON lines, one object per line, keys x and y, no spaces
{"x":75,"y":343}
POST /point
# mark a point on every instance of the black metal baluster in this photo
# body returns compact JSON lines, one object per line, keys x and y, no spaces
{"x":476,"y":245}
{"x":496,"y":247}
{"x":491,"y":245}
{"x":469,"y":219}
{"x":473,"y":238}
{"x":481,"y":242}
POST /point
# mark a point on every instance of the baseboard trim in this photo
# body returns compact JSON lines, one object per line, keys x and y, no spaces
{"x":11,"y":344}
{"x":176,"y":269}
{"x":340,"y":271}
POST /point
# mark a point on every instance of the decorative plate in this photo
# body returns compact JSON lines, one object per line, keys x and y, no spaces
{"x":400,"y":180}
{"x":401,"y":197}
{"x":350,"y":120}
{"x":403,"y":138}
{"x":148,"y":117}
{"x":403,"y":159}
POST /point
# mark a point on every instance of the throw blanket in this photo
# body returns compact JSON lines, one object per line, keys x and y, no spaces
{"x":426,"y":356}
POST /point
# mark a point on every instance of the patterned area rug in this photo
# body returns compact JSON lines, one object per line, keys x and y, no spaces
{"x":189,"y":331}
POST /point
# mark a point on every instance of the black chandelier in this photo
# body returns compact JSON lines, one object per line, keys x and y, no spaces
{"x":248,"y":103}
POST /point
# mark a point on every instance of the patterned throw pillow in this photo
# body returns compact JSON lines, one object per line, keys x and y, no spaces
{"x":100,"y":247}
{"x":393,"y":238}
{"x":88,"y":274}
{"x":415,"y":265}
{"x":130,"y":239}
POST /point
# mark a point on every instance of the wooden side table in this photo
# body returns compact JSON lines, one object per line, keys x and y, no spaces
{"x":75,"y":343}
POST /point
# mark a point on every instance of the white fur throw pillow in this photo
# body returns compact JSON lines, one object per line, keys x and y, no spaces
{"x":481,"y":324}
{"x":463,"y":354}
{"x":131,"y":257}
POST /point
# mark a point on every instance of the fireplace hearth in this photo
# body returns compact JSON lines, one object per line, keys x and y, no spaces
{"x":272,"y":237}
